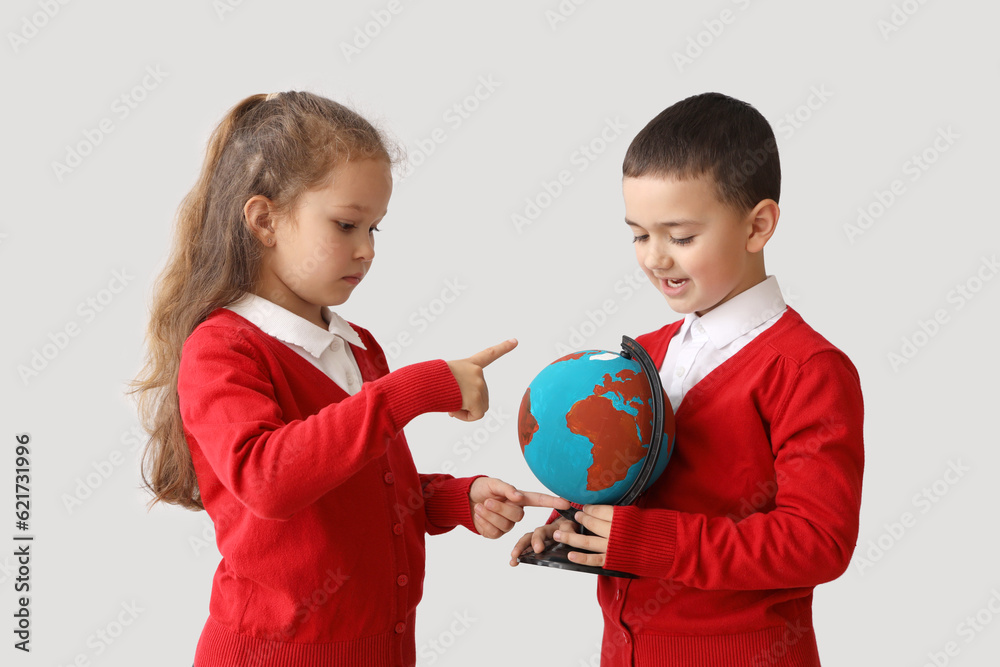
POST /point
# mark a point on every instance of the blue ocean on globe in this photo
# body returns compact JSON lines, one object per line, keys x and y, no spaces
{"x":585,"y":424}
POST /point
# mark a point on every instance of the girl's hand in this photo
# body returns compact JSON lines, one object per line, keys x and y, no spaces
{"x":496,"y":505}
{"x":469,"y":375}
{"x":597,"y":519}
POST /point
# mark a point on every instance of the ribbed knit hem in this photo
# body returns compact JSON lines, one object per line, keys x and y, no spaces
{"x":769,"y":647}
{"x":413,"y":390}
{"x":221,"y":647}
{"x":642,"y":542}
{"x":447,"y":503}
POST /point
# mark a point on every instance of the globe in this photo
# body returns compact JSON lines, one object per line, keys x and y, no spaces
{"x":585,"y":424}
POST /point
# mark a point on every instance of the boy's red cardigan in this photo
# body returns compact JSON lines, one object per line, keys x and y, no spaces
{"x":759,"y":504}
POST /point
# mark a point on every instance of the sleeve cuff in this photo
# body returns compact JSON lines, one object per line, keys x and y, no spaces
{"x":642,"y":542}
{"x":447,"y":502}
{"x":428,"y":386}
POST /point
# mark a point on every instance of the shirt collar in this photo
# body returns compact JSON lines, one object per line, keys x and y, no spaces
{"x":286,"y":326}
{"x":742,"y":314}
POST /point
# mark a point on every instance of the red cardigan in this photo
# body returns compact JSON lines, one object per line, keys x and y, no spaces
{"x":319,"y":512}
{"x":758,"y":505}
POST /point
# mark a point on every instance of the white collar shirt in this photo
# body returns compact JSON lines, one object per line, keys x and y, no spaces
{"x":326,"y":350}
{"x":703,"y":343}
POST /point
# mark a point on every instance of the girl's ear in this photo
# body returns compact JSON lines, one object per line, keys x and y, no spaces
{"x":258,"y":213}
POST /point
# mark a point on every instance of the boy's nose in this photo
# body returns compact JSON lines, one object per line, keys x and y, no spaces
{"x":658,"y":258}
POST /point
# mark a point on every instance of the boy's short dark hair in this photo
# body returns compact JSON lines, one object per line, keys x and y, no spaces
{"x":711,"y":134}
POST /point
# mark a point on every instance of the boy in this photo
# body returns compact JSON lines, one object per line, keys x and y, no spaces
{"x":760,"y":501}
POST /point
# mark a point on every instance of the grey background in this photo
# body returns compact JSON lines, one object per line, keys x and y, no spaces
{"x":887,"y":97}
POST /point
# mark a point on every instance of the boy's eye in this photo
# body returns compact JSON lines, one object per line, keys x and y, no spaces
{"x":346,"y":226}
{"x":683,"y":241}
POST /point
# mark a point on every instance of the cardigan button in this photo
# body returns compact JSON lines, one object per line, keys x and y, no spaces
{"x":397,"y":528}
{"x":402,"y":580}
{"x":389,"y":478}
{"x":400,"y":627}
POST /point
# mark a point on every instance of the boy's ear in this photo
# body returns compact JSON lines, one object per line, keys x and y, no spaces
{"x":258,"y":215}
{"x":763,"y":219}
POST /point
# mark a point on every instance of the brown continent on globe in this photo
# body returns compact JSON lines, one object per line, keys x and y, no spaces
{"x":617,"y":445}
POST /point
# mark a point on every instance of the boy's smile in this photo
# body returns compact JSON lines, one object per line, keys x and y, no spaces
{"x":696,"y":250}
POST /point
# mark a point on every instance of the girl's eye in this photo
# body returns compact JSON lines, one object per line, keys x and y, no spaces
{"x":640,"y":239}
{"x":681,"y":241}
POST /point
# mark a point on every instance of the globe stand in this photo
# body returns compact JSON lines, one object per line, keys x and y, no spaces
{"x":557,"y":555}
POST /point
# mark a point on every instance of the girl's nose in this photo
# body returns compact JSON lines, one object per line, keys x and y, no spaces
{"x":366,"y":249}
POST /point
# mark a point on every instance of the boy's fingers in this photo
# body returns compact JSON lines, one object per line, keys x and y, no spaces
{"x":492,"y":353}
{"x":593,"y":524}
{"x":603,"y":512}
{"x":539,"y":538}
{"x":596,"y":560}
{"x":588,"y":542}
{"x":521,"y":545}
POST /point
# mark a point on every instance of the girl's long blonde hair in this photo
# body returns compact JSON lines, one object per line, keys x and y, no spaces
{"x":279,"y":146}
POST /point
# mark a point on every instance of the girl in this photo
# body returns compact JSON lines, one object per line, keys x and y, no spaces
{"x":280,"y":419}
